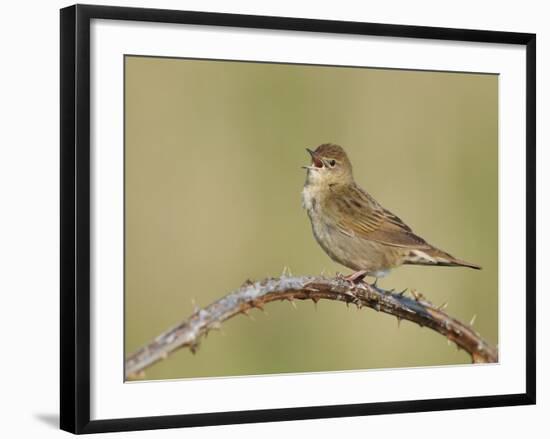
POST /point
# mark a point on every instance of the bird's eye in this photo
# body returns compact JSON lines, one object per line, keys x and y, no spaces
{"x":332,"y":163}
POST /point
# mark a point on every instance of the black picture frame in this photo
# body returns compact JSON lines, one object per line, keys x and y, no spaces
{"x":75,"y":217}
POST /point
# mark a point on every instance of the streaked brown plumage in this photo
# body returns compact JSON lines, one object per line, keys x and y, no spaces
{"x":353,"y":228}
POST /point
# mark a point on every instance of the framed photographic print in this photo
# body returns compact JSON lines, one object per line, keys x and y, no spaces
{"x":286,"y":218}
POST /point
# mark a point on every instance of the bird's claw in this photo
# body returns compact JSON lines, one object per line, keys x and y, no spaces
{"x":356,"y":277}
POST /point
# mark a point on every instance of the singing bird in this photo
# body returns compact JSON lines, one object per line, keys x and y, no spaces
{"x":353,"y":228}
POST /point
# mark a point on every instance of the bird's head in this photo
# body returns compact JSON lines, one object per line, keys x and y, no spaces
{"x":329,"y":165}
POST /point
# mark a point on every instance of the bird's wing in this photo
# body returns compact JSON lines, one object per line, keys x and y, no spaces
{"x":359,"y":215}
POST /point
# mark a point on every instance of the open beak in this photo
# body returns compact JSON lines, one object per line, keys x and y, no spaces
{"x":316,"y":161}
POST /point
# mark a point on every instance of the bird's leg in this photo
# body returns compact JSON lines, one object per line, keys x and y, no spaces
{"x":356,"y":277}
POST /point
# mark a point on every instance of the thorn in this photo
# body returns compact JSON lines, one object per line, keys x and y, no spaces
{"x":402,"y":293}
{"x":375,"y":283}
{"x":259,"y":305}
{"x":246,"y":312}
{"x":442,"y":306}
{"x":472,"y":321}
{"x":315,"y":300}
{"x":349,"y":293}
{"x":193,"y":346}
{"x":293,"y":304}
{"x":417,"y":296}
{"x":196,"y":309}
{"x":398,"y":322}
{"x":247,"y":283}
{"x":448,"y":342}
{"x":218,"y":327}
{"x":285,"y":272}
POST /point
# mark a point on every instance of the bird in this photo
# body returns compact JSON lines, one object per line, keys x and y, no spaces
{"x":353,"y":228}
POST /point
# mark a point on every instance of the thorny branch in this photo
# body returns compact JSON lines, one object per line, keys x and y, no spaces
{"x":257,"y":294}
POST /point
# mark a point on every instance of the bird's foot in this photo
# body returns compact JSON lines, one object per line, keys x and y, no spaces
{"x":356,"y":277}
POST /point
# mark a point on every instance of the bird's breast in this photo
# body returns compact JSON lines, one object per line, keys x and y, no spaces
{"x":312,"y":203}
{"x":310,"y":199}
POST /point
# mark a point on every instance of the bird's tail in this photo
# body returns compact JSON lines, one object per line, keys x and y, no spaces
{"x":434,"y":256}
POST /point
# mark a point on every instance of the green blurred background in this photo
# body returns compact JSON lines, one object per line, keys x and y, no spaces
{"x":212,"y":172}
